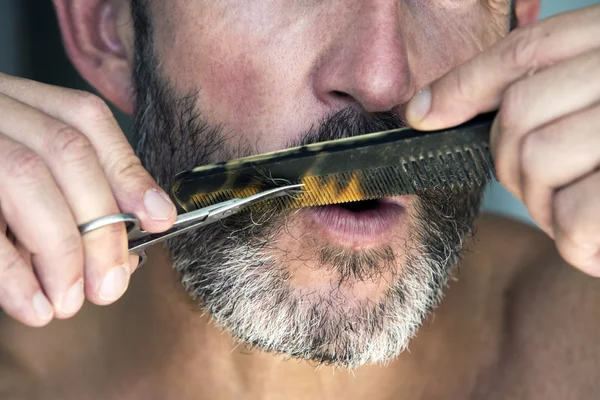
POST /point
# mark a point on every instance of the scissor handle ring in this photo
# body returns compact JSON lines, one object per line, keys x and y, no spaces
{"x":130,"y":220}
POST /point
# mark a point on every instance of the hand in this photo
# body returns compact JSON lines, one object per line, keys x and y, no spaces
{"x":64,"y":161}
{"x":545,"y":81}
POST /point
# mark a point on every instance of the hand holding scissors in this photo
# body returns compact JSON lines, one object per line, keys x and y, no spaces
{"x":139,"y":239}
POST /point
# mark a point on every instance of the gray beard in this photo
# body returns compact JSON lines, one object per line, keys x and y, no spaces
{"x":229,"y":267}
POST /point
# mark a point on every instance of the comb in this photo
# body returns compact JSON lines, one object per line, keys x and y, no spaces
{"x":371,"y":166}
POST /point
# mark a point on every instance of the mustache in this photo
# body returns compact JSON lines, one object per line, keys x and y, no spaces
{"x":349,"y":122}
{"x":170,"y":135}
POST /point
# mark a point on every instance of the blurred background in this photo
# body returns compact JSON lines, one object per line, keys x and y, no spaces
{"x":30,"y":47}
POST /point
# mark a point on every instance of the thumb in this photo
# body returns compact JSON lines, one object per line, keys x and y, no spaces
{"x":442,"y":105}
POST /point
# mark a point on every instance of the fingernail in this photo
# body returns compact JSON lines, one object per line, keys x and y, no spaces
{"x":158,"y":205}
{"x":73,"y":299}
{"x":419,"y":106}
{"x":42,"y":306}
{"x":114,"y":284}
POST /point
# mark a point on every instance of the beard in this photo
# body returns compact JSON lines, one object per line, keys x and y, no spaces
{"x":231,"y":268}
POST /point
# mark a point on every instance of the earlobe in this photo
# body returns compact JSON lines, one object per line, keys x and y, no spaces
{"x":527,"y":11}
{"x":95,"y":35}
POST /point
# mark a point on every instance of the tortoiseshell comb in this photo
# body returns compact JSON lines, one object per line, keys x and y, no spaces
{"x":366,"y":167}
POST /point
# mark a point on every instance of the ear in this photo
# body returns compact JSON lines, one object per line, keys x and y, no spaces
{"x":527,"y":11}
{"x":98,"y":37}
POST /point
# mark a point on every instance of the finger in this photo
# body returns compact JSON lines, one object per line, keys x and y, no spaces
{"x":477,"y":86}
{"x":20,"y":294}
{"x":39,"y":218}
{"x":577,"y":224}
{"x":555,"y":155}
{"x":555,"y":92}
{"x":134,"y":189}
{"x":24,"y":282}
{"x":530,"y":103}
{"x":23,"y":252}
{"x":80,"y":177}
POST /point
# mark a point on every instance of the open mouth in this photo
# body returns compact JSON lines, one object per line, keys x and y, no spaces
{"x":361,"y":206}
{"x":359,"y":223}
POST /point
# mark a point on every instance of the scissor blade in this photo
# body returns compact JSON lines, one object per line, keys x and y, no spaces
{"x":228,"y":208}
{"x":204,"y":216}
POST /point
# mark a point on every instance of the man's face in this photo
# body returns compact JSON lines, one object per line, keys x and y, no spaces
{"x":220,"y":79}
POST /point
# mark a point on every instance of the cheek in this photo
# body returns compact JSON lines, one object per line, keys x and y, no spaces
{"x":248,"y":95}
{"x":219,"y":69}
{"x":242,"y":75}
{"x":235,"y":91}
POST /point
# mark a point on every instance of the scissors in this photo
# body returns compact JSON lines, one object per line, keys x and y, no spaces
{"x":140,"y":239}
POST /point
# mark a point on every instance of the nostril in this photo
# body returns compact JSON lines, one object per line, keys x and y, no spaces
{"x":340,"y":95}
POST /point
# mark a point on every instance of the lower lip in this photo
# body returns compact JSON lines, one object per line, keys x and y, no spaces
{"x":358,"y":228}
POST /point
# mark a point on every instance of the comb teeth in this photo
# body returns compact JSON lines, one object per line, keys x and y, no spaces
{"x":472,"y":167}
{"x":382,"y":164}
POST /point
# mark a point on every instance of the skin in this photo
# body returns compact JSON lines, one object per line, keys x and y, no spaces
{"x":498,"y":330}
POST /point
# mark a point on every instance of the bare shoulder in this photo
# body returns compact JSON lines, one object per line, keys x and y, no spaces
{"x":551,"y":348}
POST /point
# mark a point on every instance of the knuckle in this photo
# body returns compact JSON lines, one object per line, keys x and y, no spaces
{"x":68,"y":248}
{"x":530,"y":150}
{"x":110,"y":240}
{"x":91,"y":107}
{"x":24,"y":164}
{"x":115,"y":234}
{"x":69,"y":144}
{"x":522,"y":48}
{"x":512,"y":103}
{"x":463,"y":90}
{"x":127,"y":164}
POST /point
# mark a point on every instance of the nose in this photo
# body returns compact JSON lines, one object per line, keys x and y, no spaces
{"x":368,"y":64}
